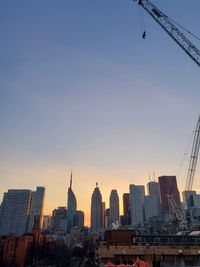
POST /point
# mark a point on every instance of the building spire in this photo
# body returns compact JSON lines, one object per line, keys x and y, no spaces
{"x":71,"y":180}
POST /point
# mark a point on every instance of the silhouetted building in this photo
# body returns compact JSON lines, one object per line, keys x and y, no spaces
{"x":126,"y":210}
{"x":103,"y":215}
{"x":96,"y":210}
{"x":168,"y":187}
{"x":36,"y":216}
{"x":150,"y":207}
{"x":71,"y":207}
{"x":79,"y":219}
{"x":107,"y":218}
{"x":153,"y":189}
{"x":18,"y":251}
{"x":114,"y":207}
{"x":21,"y":211}
{"x":59,"y":220}
{"x":22,"y":251}
{"x":136,"y":204}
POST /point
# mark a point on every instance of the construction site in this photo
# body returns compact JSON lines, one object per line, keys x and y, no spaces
{"x":173,"y":240}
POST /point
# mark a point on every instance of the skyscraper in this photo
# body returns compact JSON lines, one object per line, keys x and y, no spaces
{"x":153,"y":189}
{"x":150,"y":207}
{"x":126,"y":209}
{"x":36,"y":216}
{"x":79,"y":219}
{"x":114,"y":207}
{"x":96,"y":210}
{"x":168,"y":187}
{"x":103,"y":215}
{"x":21,"y":211}
{"x":71,"y":207}
{"x":59,"y":219}
{"x":136,"y":204}
{"x":107,"y":218}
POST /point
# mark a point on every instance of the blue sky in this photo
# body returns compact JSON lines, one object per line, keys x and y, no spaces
{"x":80,"y":88}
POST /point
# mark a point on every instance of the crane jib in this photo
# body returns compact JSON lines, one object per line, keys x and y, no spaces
{"x":167,"y":24}
{"x":156,"y":13}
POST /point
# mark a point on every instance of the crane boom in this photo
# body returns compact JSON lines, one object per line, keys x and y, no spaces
{"x":164,"y":21}
{"x":193,"y":158}
{"x":175,"y":209}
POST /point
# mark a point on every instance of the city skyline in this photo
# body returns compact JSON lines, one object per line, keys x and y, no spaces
{"x":81,"y":89}
{"x":87,"y":214}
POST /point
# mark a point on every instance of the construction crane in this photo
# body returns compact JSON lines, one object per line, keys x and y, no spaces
{"x":177,"y":214}
{"x":166,"y":23}
{"x":193,"y":158}
{"x":193,"y":52}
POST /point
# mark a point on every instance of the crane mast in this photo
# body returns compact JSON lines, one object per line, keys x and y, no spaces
{"x":193,"y":158}
{"x":164,"y":21}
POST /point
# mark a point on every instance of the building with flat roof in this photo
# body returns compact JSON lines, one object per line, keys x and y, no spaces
{"x":150,"y":207}
{"x":168,"y":187}
{"x":79,"y":219}
{"x":153,"y":189}
{"x":126,"y":209}
{"x":59,"y":220}
{"x":136,"y":204}
{"x":21,"y":211}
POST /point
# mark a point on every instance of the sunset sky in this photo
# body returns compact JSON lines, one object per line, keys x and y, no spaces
{"x":80,"y":89}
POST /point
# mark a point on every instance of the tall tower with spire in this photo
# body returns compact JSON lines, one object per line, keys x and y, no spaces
{"x":71,"y":207}
{"x":96,"y":210}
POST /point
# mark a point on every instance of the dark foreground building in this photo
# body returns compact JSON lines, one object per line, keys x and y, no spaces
{"x":19,"y":250}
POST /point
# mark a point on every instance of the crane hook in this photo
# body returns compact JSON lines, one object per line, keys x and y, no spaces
{"x":144,"y":35}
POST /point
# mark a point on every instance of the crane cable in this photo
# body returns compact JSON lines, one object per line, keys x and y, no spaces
{"x":142,"y":25}
{"x":142,"y":22}
{"x":185,"y":157}
{"x":183,"y":28}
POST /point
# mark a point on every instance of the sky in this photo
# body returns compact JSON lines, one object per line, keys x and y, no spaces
{"x":80,"y":89}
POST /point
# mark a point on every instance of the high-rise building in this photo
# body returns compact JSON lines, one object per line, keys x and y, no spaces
{"x":126,"y":209}
{"x":153,"y":189}
{"x":150,"y":207}
{"x":107,"y":218}
{"x":96,"y":210}
{"x":141,"y":188}
{"x":21,"y":211}
{"x":168,"y":187}
{"x":59,"y":220}
{"x":114,"y":207}
{"x":71,"y":207}
{"x":36,"y":216}
{"x":136,"y":204}
{"x":79,"y":219}
{"x":103,"y":215}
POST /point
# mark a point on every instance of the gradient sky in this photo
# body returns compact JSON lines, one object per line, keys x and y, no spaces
{"x":80,"y":89}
